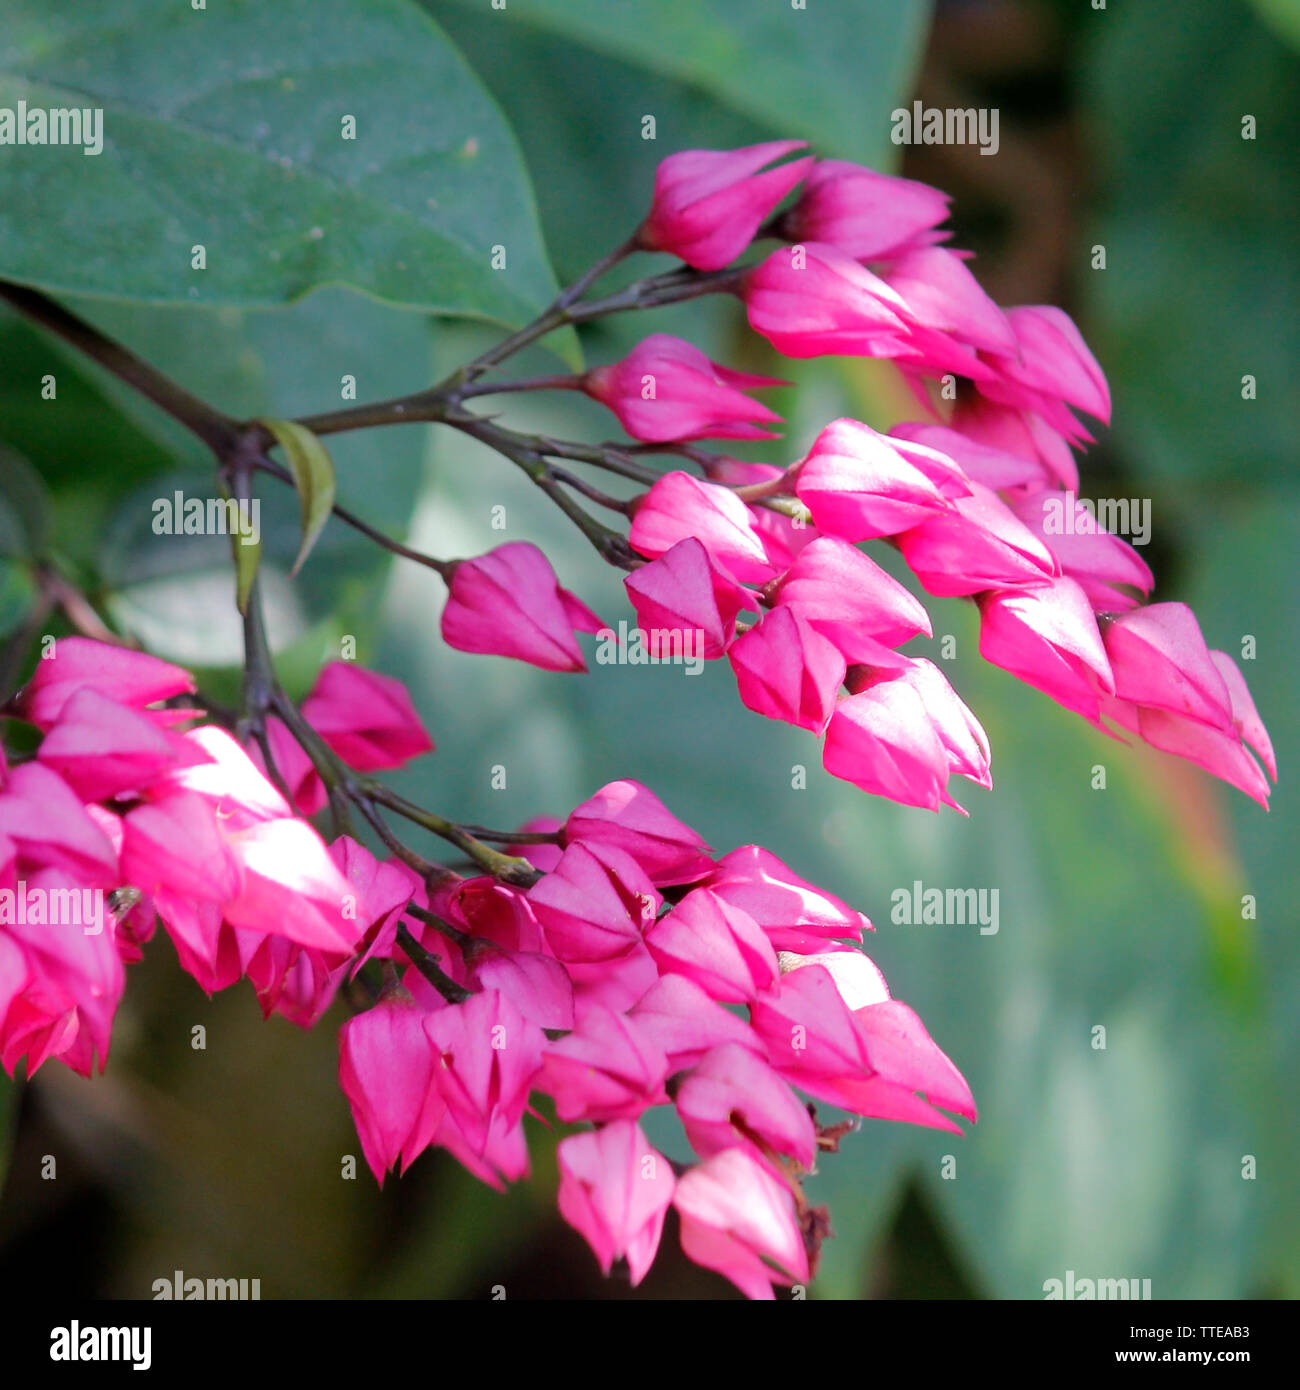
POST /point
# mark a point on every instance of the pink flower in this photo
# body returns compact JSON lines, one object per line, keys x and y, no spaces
{"x":677,"y":1015}
{"x":954,"y":316}
{"x":858,"y":485}
{"x":386,"y":1063}
{"x":509,"y":603}
{"x":102,"y":748}
{"x":737,"y":1219}
{"x":292,"y":765}
{"x":795,"y":914}
{"x":810,"y":300}
{"x":1051,"y":363}
{"x":717,"y":945}
{"x":45,"y":820}
{"x":732,"y":1099}
{"x":1245,"y":717}
{"x":994,"y":467}
{"x":536,"y":984}
{"x":680,"y":506}
{"x":594,"y":903}
{"x":615,"y":1191}
{"x":630,"y":817}
{"x":606,"y":1069}
{"x":900,"y":735}
{"x":684,"y":591}
{"x":1048,"y":637}
{"x":1159,"y":658}
{"x":867,"y":215}
{"x":976,"y":545}
{"x":872,"y":1060}
{"x":80,"y":663}
{"x":848,"y":597}
{"x":489,"y":1055}
{"x":229,"y":780}
{"x":1087,"y":553}
{"x":709,"y":203}
{"x":666,"y":390}
{"x":366,"y":718}
{"x":174,"y":846}
{"x":291,"y":887}
{"x":786,"y":669}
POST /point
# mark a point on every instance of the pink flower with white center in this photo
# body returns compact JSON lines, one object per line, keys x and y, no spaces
{"x":847,"y":596}
{"x":732,"y":1099}
{"x":709,"y":203}
{"x":977,"y":544}
{"x":1087,"y":553}
{"x":606,"y":1069}
{"x":1159,"y":658}
{"x":858,"y":485}
{"x":509,"y":603}
{"x":366,"y":718}
{"x":872,"y":1060}
{"x":812,"y":300}
{"x":615,"y":1191}
{"x":717,"y":945}
{"x":631,"y":818}
{"x":667,"y":391}
{"x":595,"y":903}
{"x":737,"y":1219}
{"x":867,"y":215}
{"x":795,"y":915}
{"x":786,"y":669}
{"x":685,"y":591}
{"x":679,"y":506}
{"x":1048,"y":637}
{"x":80,"y":663}
{"x":677,"y":1015}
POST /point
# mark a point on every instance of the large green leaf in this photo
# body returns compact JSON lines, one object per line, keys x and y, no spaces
{"x":830,"y":73}
{"x":225,"y":128}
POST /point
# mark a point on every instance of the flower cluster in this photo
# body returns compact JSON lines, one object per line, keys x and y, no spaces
{"x":763,"y":565}
{"x":604,"y":986}
{"x":124,"y":818}
{"x":626,"y":968}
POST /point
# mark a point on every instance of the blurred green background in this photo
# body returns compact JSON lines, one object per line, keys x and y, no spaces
{"x":1120,"y":128}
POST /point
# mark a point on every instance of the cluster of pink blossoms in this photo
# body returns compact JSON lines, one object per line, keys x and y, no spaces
{"x":601,"y":983}
{"x":979,"y":496}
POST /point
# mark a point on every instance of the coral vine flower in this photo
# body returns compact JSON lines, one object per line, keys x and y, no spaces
{"x":680,"y":506}
{"x":77,"y":663}
{"x":666,"y":390}
{"x":366,"y":718}
{"x":509,"y":603}
{"x":709,"y":203}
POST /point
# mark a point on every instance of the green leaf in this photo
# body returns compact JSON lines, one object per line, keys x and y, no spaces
{"x":24,"y":506}
{"x":227,"y":128}
{"x":828,"y":73}
{"x":313,"y":476}
{"x":247,"y":550}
